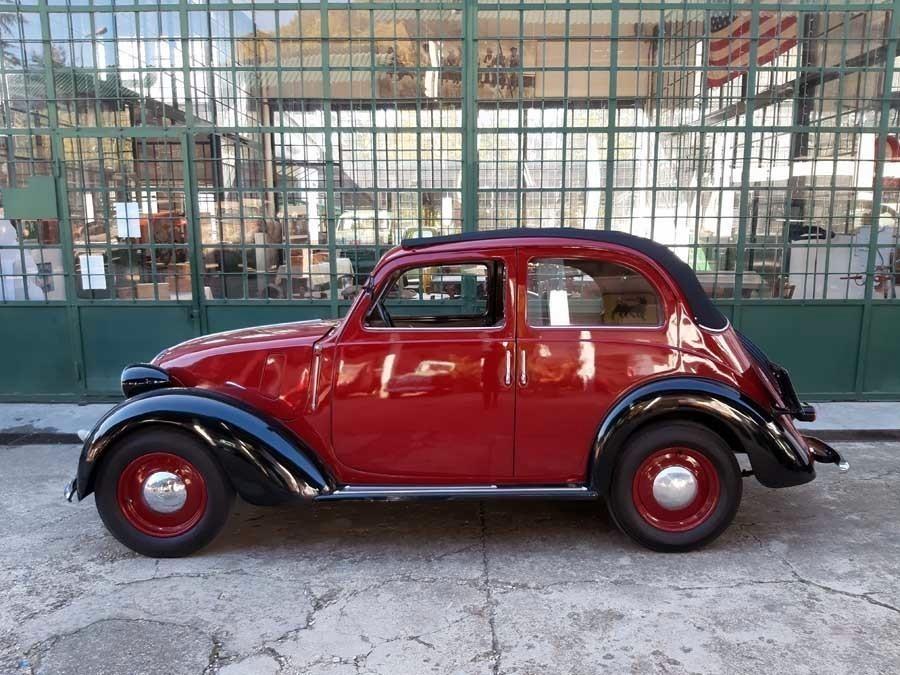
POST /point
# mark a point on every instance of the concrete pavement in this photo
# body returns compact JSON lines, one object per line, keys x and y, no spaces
{"x":807,"y":580}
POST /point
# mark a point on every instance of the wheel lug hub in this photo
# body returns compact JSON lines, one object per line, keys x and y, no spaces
{"x":675,"y":487}
{"x":164,"y":492}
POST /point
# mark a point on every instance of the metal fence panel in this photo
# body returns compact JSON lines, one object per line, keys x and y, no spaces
{"x":211,"y":158}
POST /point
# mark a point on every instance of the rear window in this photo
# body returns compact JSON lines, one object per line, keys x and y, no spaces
{"x":584,"y":292}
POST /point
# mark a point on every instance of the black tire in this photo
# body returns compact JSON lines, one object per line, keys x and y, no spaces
{"x":219,"y":494}
{"x":648,"y":444}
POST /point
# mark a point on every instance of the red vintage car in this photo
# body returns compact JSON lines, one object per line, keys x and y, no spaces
{"x":556,"y":364}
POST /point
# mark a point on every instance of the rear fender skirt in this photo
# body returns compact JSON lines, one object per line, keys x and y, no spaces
{"x":265,"y":462}
{"x":777,"y":457}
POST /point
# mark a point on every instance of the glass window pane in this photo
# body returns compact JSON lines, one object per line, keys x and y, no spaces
{"x":589,"y":292}
{"x":466,"y":295}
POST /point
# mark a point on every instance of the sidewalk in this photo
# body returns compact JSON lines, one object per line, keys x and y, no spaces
{"x":33,"y":423}
{"x":847,"y":416}
{"x":38,"y":423}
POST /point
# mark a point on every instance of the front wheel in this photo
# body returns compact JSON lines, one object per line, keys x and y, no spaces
{"x":675,"y":487}
{"x":161,"y":493}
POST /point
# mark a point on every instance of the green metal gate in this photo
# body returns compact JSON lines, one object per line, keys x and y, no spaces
{"x":120,"y":313}
{"x":186,"y":167}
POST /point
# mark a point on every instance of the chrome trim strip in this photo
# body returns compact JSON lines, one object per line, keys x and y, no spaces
{"x":714,"y":330}
{"x":659,"y":328}
{"x":471,"y":329}
{"x":401,"y":492}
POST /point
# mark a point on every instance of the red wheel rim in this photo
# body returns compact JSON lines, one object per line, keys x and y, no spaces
{"x":687,"y":517}
{"x":130,"y":495}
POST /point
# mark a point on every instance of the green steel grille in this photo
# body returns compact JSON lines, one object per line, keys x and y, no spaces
{"x":213,"y":154}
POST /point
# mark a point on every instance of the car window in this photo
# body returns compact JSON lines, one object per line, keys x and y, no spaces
{"x":468,"y":295}
{"x":585,"y":292}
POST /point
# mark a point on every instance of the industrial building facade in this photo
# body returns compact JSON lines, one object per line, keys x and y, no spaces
{"x":174,"y":169}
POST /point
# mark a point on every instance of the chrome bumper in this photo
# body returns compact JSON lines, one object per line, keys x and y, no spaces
{"x":825,"y":454}
{"x":69,"y":491}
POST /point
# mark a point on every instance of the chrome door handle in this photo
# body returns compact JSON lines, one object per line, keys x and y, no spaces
{"x":507,"y":378}
{"x":523,"y":371}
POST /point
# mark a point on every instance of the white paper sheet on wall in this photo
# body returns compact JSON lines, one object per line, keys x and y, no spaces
{"x":128,"y":220}
{"x":559,"y":308}
{"x":93,"y":272}
{"x":89,"y":208}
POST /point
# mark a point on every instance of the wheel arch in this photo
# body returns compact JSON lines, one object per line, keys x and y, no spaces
{"x":777,"y":458}
{"x":699,"y":417}
{"x":264,"y":461}
{"x":147,"y":426}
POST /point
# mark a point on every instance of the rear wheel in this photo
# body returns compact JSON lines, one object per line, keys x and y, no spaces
{"x":675,"y":487}
{"x":161,"y":493}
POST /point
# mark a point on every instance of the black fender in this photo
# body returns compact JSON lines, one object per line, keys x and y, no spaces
{"x":265,"y":461}
{"x":778,"y":457}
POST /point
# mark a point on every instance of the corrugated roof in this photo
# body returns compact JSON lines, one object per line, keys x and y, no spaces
{"x":67,"y":84}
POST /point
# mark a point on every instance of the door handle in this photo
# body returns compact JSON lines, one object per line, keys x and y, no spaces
{"x":507,"y":378}
{"x":523,"y":371}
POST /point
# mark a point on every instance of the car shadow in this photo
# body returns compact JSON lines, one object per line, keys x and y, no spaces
{"x":423,"y":524}
{"x":380,"y":526}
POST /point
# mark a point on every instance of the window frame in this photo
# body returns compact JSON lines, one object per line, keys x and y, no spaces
{"x":379,"y":293}
{"x":604,"y":257}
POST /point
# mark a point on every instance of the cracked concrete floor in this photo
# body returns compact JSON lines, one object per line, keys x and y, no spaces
{"x":807,"y":580}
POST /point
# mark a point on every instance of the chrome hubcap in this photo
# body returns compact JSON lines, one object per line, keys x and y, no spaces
{"x":674,"y":487}
{"x":164,"y":492}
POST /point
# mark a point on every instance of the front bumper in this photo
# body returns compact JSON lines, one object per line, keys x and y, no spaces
{"x":70,"y":490}
{"x":825,"y":454}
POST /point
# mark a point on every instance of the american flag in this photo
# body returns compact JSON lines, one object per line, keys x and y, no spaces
{"x":729,"y":43}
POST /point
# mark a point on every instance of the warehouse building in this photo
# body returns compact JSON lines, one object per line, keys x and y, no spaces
{"x":174,"y":169}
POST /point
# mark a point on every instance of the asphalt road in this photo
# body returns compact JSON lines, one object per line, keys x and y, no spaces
{"x":807,"y":580}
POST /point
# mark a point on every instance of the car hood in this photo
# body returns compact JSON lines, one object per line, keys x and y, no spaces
{"x":274,"y":336}
{"x":267,"y":367}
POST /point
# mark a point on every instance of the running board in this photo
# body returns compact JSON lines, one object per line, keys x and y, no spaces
{"x":414,"y":492}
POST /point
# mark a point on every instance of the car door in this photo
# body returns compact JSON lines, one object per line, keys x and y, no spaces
{"x":428,"y":397}
{"x":593,"y":324}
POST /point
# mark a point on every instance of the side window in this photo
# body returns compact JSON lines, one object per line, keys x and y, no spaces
{"x":583,"y":292}
{"x":467,"y":295}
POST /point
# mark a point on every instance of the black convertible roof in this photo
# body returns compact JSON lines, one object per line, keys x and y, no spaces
{"x":704,"y":311}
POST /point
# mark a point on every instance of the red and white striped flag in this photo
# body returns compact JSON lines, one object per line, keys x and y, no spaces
{"x":729,"y":43}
